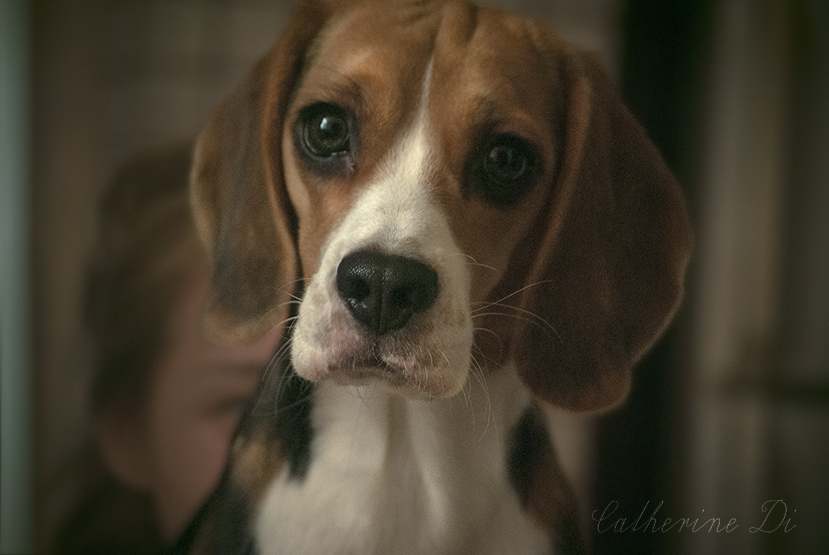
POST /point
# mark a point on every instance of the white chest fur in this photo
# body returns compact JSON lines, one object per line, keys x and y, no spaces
{"x":390,"y":475}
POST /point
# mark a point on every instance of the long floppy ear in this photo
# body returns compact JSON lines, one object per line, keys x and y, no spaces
{"x":240,"y":204}
{"x":612,"y":246}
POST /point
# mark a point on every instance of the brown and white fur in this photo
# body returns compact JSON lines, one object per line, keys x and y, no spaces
{"x":458,"y":221}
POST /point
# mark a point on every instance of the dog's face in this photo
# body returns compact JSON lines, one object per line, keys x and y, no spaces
{"x":453,"y":186}
{"x":414,"y":172}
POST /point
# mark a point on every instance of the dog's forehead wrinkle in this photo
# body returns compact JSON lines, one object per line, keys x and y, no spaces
{"x":415,"y":25}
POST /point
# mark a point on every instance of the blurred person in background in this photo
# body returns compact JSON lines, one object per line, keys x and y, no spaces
{"x":164,"y":400}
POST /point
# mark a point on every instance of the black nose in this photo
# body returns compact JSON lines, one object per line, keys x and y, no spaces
{"x":384,"y":291}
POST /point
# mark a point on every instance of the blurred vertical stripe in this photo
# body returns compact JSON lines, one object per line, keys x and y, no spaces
{"x":16,"y":420}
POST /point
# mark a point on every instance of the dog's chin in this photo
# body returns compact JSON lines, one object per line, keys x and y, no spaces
{"x":411,"y":381}
{"x":426,"y":383}
{"x":418,"y":362}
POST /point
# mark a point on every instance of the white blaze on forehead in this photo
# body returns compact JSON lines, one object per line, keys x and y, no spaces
{"x":396,"y":210}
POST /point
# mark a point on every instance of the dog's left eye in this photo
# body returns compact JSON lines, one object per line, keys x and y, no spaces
{"x":505,"y":162}
{"x":324,"y":131}
{"x":503,"y":169}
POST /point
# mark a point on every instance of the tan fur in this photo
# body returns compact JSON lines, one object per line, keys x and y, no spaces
{"x":255,"y":462}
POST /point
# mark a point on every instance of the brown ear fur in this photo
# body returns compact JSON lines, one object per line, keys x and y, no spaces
{"x":238,"y":193}
{"x":613,"y":242}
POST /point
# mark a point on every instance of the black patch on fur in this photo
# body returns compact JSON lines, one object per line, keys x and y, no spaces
{"x":222,"y":523}
{"x":282,"y":410}
{"x":231,"y":529}
{"x":293,"y":421}
{"x":530,"y":445}
{"x":529,"y":442}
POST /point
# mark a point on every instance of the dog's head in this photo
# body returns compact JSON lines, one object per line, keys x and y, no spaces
{"x":445,"y":186}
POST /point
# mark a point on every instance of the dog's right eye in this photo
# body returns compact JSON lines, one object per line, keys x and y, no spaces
{"x":324,"y":132}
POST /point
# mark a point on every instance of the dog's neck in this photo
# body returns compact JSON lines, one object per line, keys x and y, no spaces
{"x":388,"y":474}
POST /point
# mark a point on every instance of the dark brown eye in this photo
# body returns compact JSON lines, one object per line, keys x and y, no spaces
{"x":503,"y":169}
{"x":506,"y":163}
{"x":325,"y":130}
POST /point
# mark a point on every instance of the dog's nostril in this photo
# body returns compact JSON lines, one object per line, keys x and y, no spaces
{"x":353,"y":287}
{"x":403,"y":296}
{"x":384,"y":291}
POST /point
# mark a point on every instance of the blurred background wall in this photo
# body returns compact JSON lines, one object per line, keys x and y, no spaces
{"x":731,"y":409}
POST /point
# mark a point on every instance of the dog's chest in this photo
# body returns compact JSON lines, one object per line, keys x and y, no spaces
{"x":389,"y":475}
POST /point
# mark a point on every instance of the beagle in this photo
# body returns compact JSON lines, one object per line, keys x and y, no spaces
{"x":457,"y":221}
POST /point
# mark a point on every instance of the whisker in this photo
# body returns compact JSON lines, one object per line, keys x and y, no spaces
{"x":477,"y":372}
{"x":487,"y":304}
{"x":525,"y":316}
{"x":467,"y":395}
{"x":474,"y":262}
